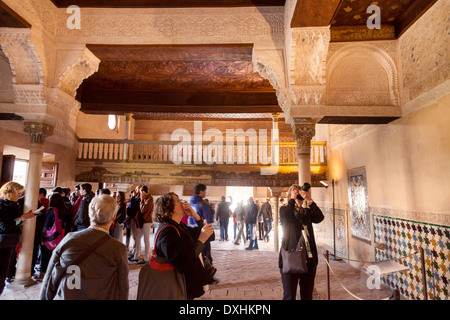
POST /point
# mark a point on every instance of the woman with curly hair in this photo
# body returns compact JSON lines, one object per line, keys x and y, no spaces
{"x":181,"y":245}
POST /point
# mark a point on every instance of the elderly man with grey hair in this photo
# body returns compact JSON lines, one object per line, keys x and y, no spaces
{"x":89,"y":264}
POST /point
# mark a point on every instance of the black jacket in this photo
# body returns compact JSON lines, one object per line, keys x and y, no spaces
{"x":182,"y":251}
{"x":252,"y":214}
{"x":292,"y":222}
{"x":9,"y":211}
{"x":82,"y":215}
{"x":10,"y":232}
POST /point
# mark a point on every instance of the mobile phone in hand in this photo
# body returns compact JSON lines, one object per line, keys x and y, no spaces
{"x":39,"y":211}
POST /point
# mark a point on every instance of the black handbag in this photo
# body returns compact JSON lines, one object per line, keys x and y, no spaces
{"x":294,"y":260}
{"x":159,"y":280}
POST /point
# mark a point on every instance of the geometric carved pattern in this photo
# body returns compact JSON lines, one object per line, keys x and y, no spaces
{"x":404,"y":237}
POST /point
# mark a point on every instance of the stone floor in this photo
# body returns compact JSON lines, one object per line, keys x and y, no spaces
{"x":250,"y":275}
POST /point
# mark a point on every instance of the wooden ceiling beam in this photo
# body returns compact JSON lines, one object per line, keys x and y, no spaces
{"x":314,"y":13}
{"x":189,"y":98}
{"x":101,"y":108}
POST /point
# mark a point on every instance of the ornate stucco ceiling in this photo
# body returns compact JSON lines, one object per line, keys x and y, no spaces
{"x":176,"y":78}
{"x":348,"y":18}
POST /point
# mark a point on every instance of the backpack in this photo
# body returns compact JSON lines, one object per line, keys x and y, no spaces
{"x":55,"y":234}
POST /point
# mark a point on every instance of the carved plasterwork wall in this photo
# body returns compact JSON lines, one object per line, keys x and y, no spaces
{"x":307,"y":66}
{"x":363,"y":75}
{"x":43,"y":17}
{"x":308,"y":61}
{"x":6,"y":88}
{"x":425,"y":53}
{"x":18,"y":48}
{"x":74,"y":67}
{"x":27,"y":75}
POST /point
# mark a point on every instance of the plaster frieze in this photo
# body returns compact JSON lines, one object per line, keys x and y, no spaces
{"x":308,"y":95}
{"x":165,"y":25}
{"x":29,"y":94}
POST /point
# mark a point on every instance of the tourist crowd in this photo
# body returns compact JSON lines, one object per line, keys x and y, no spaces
{"x":79,"y":251}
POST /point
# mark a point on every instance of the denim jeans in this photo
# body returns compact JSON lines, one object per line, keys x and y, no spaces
{"x":253,"y":239}
{"x":224,"y":228}
{"x":268,"y":224}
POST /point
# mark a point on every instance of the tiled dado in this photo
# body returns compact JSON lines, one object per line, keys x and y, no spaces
{"x":403,"y":237}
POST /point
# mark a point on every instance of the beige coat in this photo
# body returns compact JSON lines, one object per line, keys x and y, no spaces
{"x":104,"y":274}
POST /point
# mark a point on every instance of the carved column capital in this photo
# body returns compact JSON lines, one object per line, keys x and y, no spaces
{"x":38,"y":130}
{"x":303,"y":131}
{"x":275,"y":117}
{"x":128,"y":116}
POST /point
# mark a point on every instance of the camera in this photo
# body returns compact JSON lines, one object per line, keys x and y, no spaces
{"x":306,"y":186}
{"x":299,"y":197}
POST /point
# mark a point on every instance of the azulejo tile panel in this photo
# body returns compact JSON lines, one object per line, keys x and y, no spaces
{"x":403,"y":238}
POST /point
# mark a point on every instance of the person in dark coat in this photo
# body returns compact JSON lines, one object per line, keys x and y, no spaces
{"x":182,"y":250}
{"x":296,"y":216}
{"x":81,"y":221}
{"x":203,"y":209}
{"x":11,"y":218}
{"x":250,"y":220}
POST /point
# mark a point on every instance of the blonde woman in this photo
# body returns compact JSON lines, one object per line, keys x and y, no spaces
{"x":11,"y":218}
{"x":299,"y":214}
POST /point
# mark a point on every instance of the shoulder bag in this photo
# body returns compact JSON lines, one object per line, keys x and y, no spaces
{"x":294,"y":260}
{"x":159,"y":280}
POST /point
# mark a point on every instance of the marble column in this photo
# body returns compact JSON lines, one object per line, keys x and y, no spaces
{"x":304,"y":131}
{"x":38,"y":131}
{"x":276,"y":193}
